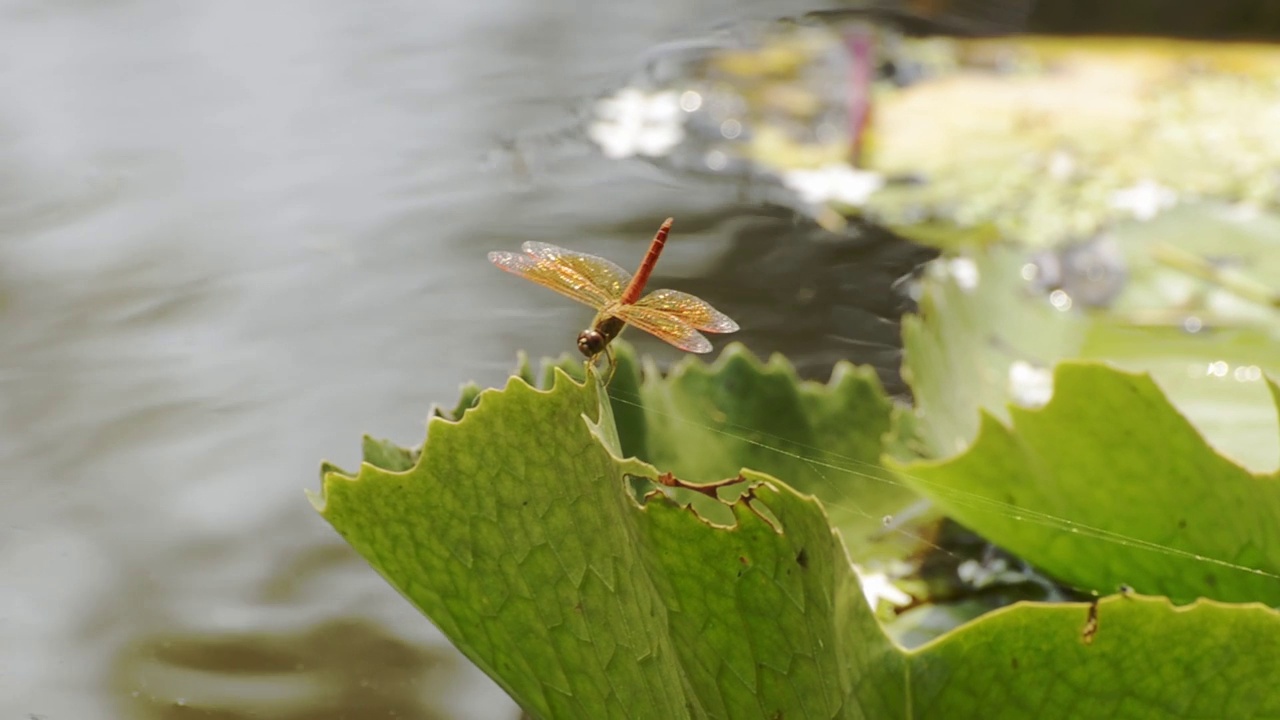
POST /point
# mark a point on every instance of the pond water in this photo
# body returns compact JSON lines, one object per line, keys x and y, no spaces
{"x":233,"y":237}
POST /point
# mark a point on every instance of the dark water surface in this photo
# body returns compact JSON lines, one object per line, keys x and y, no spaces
{"x":233,"y":237}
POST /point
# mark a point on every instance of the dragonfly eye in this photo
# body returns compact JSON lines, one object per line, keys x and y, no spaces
{"x":591,"y":343}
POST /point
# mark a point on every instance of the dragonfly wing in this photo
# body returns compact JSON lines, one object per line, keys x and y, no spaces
{"x":594,"y":269}
{"x":691,"y":310}
{"x":563,"y":279}
{"x":663,"y":325}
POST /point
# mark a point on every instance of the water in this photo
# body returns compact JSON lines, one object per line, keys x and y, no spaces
{"x":233,"y":237}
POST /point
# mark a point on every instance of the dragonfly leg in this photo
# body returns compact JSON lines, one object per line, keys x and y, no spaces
{"x":613,"y":363}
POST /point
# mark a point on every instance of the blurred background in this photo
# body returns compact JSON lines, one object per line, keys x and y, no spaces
{"x":235,"y":236}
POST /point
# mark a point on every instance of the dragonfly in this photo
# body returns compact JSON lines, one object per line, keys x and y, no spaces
{"x":676,"y":317}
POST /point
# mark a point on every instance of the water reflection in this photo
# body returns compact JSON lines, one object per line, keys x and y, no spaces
{"x":337,"y":669}
{"x":814,"y":296}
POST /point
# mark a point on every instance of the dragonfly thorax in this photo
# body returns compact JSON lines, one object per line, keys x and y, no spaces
{"x":593,"y":340}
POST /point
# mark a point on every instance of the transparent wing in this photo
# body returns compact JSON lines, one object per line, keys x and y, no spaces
{"x":588,"y":279}
{"x":690,"y":310}
{"x":600,"y":272}
{"x":663,"y":325}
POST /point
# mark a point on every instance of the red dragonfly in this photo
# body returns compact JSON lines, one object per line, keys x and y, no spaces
{"x":671,"y":315}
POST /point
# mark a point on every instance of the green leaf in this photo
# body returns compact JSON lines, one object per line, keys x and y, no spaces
{"x":387,"y":455}
{"x":1110,"y":483}
{"x":960,"y":346}
{"x":517,"y":536}
{"x":705,"y":422}
{"x":520,"y":533}
{"x":486,"y":536}
{"x":1148,"y":659}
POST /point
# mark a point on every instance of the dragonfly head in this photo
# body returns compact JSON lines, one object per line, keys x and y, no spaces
{"x":591,"y":342}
